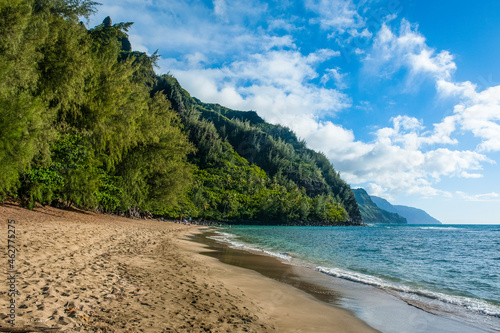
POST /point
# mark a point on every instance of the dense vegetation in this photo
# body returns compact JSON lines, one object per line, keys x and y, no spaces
{"x":371,"y":213}
{"x":85,"y":121}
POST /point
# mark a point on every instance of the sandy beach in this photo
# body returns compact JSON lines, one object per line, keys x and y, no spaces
{"x":86,"y":272}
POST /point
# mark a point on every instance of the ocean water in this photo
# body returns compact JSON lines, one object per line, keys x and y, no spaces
{"x":448,"y":270}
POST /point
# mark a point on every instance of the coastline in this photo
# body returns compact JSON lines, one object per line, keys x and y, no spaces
{"x":289,"y":308}
{"x":87,"y":272}
{"x":377,"y":307}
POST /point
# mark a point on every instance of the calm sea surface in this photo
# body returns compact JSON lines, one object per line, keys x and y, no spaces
{"x":447,"y":269}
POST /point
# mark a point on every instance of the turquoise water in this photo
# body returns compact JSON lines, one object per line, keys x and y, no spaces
{"x":447,"y":268}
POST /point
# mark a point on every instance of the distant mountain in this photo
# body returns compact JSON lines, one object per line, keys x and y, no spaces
{"x":371,"y":213}
{"x":383,"y":204}
{"x":412,"y":215}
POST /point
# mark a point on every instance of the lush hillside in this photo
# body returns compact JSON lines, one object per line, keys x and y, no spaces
{"x":371,"y":213}
{"x":412,"y":215}
{"x":300,"y":185}
{"x":85,"y":121}
{"x":383,"y":204}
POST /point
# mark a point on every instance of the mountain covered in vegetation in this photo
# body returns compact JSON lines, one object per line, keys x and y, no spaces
{"x":371,"y":213}
{"x":411,"y":214}
{"x":86,"y":121}
{"x":378,"y":210}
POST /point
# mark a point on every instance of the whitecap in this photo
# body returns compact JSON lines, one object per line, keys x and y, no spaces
{"x":440,"y":228}
{"x":232,"y":242}
{"x":406,"y":292}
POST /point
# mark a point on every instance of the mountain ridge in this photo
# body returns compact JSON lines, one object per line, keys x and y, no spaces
{"x":412,"y":214}
{"x":371,"y":213}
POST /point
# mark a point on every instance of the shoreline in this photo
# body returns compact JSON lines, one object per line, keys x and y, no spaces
{"x":291,"y":309}
{"x":86,"y":272}
{"x":378,"y":308}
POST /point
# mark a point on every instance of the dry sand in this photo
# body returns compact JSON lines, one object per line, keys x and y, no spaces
{"x":87,"y":272}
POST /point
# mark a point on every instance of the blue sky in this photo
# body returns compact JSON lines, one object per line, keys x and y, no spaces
{"x":403,"y":96}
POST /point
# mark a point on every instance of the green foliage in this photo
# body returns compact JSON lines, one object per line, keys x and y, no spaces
{"x":109,"y":195}
{"x":238,"y":191}
{"x":79,"y":124}
{"x":85,"y":121}
{"x":296,"y":185}
{"x":72,"y":176}
{"x":69,"y":9}
{"x":273,"y":148}
{"x":21,"y":137}
{"x":39,"y":185}
{"x":74,"y":160}
{"x":156,"y":173}
{"x":371,"y":213}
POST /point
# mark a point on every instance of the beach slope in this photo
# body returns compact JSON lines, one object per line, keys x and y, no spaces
{"x":88,"y":272}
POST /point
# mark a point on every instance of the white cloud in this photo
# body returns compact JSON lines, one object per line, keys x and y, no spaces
{"x":276,"y":83}
{"x":260,"y":70}
{"x":365,"y":33}
{"x":187,"y":26}
{"x":337,"y":77}
{"x":493,"y":196}
{"x":137,"y":43}
{"x":442,"y":132}
{"x":289,"y":24}
{"x":220,"y":7}
{"x":219,"y":58}
{"x":481,"y":115}
{"x":395,"y":163}
{"x":477,"y":112}
{"x":455,"y":163}
{"x":409,"y":132}
{"x":408,"y":49}
{"x":379,"y":191}
{"x":338,"y":16}
{"x":195,"y":60}
{"x":401,"y":159}
{"x":449,"y":89}
{"x":441,"y":65}
{"x":359,"y":51}
{"x":465,"y":174}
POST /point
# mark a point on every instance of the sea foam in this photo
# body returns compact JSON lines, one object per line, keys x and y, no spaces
{"x":231,"y":240}
{"x":406,"y":292}
{"x":440,"y":269}
{"x":441,"y":228}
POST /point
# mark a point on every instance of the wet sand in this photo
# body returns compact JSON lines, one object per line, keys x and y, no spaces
{"x":85,"y":272}
{"x":376,"y":307}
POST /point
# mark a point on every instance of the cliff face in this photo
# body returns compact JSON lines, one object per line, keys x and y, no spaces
{"x":371,"y":213}
{"x":412,"y":215}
